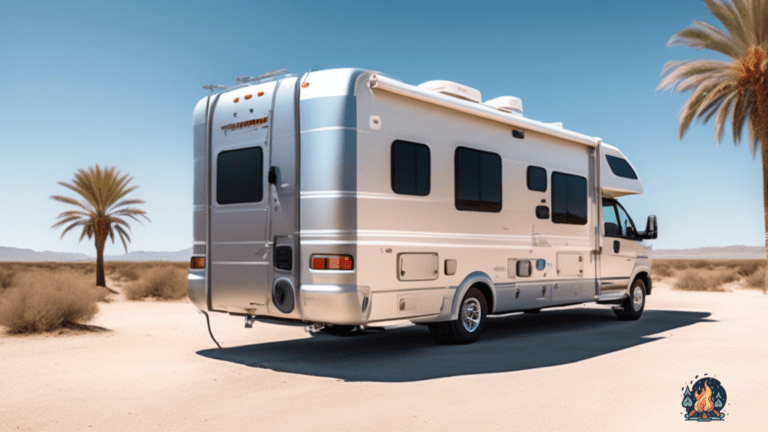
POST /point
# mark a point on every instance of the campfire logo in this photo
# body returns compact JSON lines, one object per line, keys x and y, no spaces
{"x":705,"y":400}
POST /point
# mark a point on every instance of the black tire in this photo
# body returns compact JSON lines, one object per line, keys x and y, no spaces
{"x":341,"y":330}
{"x":633,"y":305}
{"x":463,"y":330}
{"x":532,"y":311}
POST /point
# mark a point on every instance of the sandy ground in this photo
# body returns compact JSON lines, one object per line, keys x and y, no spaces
{"x":568,"y":369}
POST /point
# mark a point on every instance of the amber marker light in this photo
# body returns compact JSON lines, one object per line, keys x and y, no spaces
{"x":305,"y":85}
{"x":237,"y":100}
{"x":246,"y":97}
{"x":197,"y":263}
{"x":260,"y":94}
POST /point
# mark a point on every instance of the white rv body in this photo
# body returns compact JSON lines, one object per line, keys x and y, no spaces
{"x":331,"y":138}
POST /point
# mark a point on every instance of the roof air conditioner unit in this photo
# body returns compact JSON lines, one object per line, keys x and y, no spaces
{"x":453,"y":89}
{"x":510,"y":104}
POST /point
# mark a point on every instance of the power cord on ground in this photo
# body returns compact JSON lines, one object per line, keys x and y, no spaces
{"x":208,"y":321}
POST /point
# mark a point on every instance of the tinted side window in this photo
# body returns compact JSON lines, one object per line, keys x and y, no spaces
{"x":239,"y":176}
{"x":410,"y":168}
{"x":620,"y":167}
{"x":537,"y":179}
{"x":569,"y":199}
{"x":625,"y":223}
{"x":477,"y":180}
{"x":610,"y":220}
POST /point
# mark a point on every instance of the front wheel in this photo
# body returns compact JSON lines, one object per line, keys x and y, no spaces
{"x":467,"y":328}
{"x":632,"y":307}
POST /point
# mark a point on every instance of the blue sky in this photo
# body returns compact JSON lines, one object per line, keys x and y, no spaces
{"x":115,"y":83}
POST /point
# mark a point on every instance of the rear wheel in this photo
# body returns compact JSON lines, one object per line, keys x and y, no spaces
{"x":467,"y":328}
{"x":632,"y":307}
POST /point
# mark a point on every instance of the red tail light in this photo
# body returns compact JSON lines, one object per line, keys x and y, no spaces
{"x":331,"y":262}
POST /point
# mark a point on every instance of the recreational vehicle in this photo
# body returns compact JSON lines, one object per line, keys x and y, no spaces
{"x":346,"y":198}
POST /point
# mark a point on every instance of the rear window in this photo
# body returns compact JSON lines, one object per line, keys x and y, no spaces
{"x":621,"y":167}
{"x":239,"y":176}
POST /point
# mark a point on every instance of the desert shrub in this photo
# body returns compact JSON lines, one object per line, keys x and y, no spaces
{"x":704,"y":280}
{"x":166,"y":283}
{"x":662,"y":269}
{"x":43,"y":300}
{"x":756,"y":279}
{"x":749,"y":267}
{"x":6,"y":278}
{"x":128,"y":271}
{"x":725,"y":274}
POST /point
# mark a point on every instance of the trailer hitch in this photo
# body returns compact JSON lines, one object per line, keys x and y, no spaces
{"x":249,"y":320}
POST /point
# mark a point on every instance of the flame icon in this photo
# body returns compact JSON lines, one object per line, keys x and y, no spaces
{"x":709,"y":397}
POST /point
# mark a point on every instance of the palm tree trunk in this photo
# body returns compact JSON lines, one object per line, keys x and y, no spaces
{"x":764,"y":157}
{"x":762,"y":134}
{"x":100,"y":279}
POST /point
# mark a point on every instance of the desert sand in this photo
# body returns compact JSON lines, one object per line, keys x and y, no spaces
{"x":565,"y":369}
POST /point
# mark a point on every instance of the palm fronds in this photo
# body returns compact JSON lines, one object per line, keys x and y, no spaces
{"x":725,"y":89}
{"x":102,"y":208}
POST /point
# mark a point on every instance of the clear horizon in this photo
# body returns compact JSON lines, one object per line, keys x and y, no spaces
{"x":115,"y":84}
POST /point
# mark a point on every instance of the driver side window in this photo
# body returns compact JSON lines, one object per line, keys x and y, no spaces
{"x":610,"y":221}
{"x":627,"y":227}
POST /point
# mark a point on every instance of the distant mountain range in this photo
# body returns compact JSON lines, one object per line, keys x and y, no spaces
{"x":725,"y":252}
{"x":16,"y":254}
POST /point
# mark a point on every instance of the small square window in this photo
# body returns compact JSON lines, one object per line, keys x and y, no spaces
{"x":537,"y":179}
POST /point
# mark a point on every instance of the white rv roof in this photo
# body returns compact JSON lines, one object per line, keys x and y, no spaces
{"x":378,"y":81}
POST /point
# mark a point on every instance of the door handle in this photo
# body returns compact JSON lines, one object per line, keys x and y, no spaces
{"x":616,"y":246}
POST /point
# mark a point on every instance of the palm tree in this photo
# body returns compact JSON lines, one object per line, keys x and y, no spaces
{"x":735,"y":89}
{"x":101,"y":211}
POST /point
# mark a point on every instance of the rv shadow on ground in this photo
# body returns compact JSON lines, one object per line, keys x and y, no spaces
{"x":508,"y":344}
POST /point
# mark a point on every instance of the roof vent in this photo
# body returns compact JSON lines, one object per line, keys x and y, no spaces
{"x":453,"y":89}
{"x":508,"y":104}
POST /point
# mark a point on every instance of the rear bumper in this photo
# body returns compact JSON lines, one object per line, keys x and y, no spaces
{"x":323,"y":304}
{"x":196,"y":286}
{"x":335,"y":304}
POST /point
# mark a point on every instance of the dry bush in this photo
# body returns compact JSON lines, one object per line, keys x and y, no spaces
{"x":704,"y":280}
{"x":43,"y":300}
{"x":6,"y":277}
{"x":133,"y":270}
{"x":128,"y":271}
{"x":662,"y":269}
{"x":165,"y":283}
{"x":756,"y":279}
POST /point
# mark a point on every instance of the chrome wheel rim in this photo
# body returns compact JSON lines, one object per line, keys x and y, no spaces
{"x":470,"y":314}
{"x":637,"y":298}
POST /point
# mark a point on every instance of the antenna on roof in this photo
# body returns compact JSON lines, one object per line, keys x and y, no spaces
{"x":214,"y":87}
{"x":247,"y":78}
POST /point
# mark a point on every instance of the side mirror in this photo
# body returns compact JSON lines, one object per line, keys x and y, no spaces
{"x":651,"y":229}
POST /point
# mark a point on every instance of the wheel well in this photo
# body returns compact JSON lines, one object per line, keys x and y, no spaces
{"x":487,"y":293}
{"x":646,"y":280}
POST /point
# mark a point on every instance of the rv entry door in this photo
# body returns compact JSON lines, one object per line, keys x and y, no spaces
{"x":245,"y":207}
